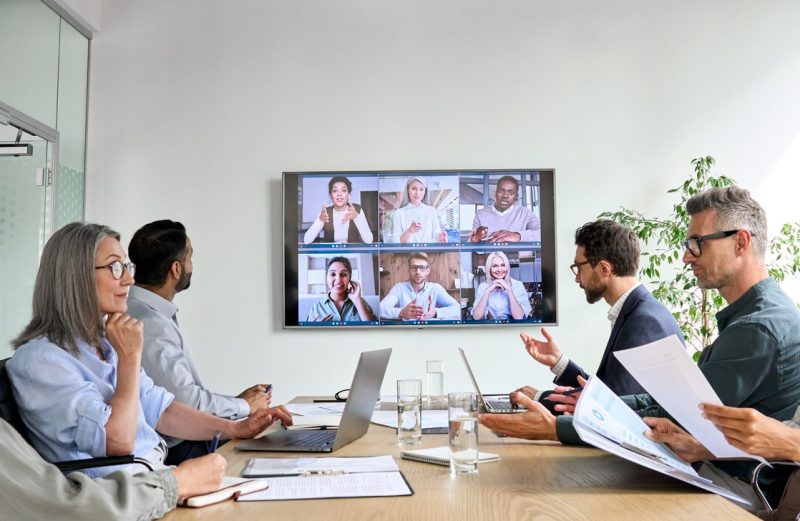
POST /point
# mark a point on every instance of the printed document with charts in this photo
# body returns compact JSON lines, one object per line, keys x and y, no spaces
{"x":606,"y":422}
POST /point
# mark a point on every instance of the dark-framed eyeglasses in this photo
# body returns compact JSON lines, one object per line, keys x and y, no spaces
{"x":118,"y":267}
{"x":418,"y":268}
{"x":695,"y":244}
{"x":576,"y":267}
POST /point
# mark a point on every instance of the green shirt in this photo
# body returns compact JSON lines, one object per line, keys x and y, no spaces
{"x":754,"y":362}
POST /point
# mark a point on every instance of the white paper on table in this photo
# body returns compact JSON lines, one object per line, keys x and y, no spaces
{"x":314,"y":409}
{"x":604,"y":421}
{"x":672,"y":378}
{"x":430,"y":419}
{"x":258,"y":467}
{"x":368,"y":484}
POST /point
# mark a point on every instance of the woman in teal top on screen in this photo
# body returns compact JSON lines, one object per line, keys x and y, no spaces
{"x":344,"y":302}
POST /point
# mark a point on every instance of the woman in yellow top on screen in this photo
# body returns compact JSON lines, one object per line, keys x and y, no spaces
{"x":417,"y":221}
{"x":344,"y":302}
{"x":343,"y":221}
{"x":500,"y":297}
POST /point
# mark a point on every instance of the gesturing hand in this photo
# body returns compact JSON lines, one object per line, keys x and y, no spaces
{"x":431,"y":311}
{"x":125,"y":334}
{"x":478,"y":234}
{"x":411,"y":311}
{"x":350,"y":213}
{"x":546,"y":353}
{"x":323,"y":215}
{"x":414,"y":227}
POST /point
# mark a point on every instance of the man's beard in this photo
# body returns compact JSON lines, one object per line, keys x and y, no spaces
{"x":593,"y":295}
{"x":184,"y":282}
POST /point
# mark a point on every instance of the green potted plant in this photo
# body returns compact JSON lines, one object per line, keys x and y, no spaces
{"x":671,"y":281}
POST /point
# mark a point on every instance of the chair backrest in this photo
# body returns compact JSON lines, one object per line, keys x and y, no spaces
{"x":8,"y":405}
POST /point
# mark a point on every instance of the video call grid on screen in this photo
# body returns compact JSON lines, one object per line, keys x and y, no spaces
{"x":422,"y":238}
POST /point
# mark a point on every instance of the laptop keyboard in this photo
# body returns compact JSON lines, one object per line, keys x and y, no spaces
{"x":500,"y":406}
{"x":313,"y":437}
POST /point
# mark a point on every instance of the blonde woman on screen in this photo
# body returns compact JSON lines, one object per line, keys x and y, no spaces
{"x":417,"y":221}
{"x":500,"y":297}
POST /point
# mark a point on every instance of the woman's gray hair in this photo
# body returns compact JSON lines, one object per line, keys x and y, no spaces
{"x":488,"y":266}
{"x":736,"y":210}
{"x":65,"y":307}
{"x":408,"y":184}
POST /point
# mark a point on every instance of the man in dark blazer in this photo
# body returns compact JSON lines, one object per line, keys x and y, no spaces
{"x":605,"y":266}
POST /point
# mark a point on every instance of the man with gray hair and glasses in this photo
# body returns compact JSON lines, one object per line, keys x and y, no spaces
{"x":754,"y":360}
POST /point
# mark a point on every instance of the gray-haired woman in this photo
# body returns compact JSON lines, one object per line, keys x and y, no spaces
{"x":77,"y":371}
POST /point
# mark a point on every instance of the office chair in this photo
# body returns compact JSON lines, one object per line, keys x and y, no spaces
{"x":780,"y":473}
{"x":9,"y":411}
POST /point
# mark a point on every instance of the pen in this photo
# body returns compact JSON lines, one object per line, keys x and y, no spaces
{"x":214,"y":442}
{"x":268,"y":388}
{"x":571,"y":392}
{"x":322,"y":472}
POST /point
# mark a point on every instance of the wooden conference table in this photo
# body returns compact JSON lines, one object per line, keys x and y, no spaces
{"x":533,"y":480}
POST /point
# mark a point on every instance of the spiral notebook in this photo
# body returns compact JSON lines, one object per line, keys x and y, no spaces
{"x":441,"y":456}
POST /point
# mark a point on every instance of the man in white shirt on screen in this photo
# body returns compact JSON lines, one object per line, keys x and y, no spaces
{"x":419,"y":299}
{"x":162,"y":253}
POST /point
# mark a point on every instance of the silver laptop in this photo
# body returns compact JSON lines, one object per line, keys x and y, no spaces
{"x":494,"y":406}
{"x":357,"y":414}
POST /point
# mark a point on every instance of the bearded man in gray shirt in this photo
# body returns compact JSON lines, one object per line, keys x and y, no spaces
{"x":162,"y":253}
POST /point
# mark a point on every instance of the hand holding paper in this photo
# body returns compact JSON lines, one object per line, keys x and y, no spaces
{"x":657,"y":366}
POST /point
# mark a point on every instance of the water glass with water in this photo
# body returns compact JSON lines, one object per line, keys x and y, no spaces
{"x":409,"y":412}
{"x":434,"y":375}
{"x":462,"y":414}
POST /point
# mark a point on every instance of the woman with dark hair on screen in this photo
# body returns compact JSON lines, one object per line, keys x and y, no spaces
{"x":500,"y":297}
{"x":343,"y":221}
{"x":416,"y":221}
{"x":77,"y":373}
{"x":344,"y":302}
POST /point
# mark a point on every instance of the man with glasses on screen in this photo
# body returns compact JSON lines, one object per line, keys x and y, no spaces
{"x":418,"y":298}
{"x":504,"y":222}
{"x":755,"y":360}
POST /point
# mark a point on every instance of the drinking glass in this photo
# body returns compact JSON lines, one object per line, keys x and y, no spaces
{"x":434,"y":375}
{"x":462,"y":414}
{"x":409,"y":412}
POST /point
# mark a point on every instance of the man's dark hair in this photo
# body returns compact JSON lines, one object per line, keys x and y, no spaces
{"x":610,"y":241}
{"x":154,"y":247}
{"x":510,"y":179}
{"x":340,"y":179}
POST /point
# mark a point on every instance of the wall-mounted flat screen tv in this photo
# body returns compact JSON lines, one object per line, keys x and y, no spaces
{"x":421,"y":248}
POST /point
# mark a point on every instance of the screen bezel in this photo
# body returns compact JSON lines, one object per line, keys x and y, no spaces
{"x":547,"y":217}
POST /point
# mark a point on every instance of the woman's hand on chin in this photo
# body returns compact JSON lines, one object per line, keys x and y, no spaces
{"x":125,"y":334}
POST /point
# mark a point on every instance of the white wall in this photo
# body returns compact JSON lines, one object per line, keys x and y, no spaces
{"x":197,"y":106}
